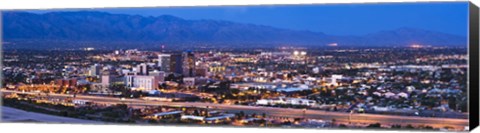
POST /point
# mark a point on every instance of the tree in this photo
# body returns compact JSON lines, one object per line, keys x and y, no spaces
{"x":170,"y":77}
{"x":196,"y":113}
{"x":334,"y":122}
{"x":242,"y":114}
{"x":376,"y":125}
{"x":396,"y":126}
{"x":152,"y":121}
{"x":409,"y":126}
{"x":428,"y":127}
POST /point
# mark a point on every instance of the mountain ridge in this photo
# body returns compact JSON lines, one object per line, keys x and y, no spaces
{"x":92,"y":27}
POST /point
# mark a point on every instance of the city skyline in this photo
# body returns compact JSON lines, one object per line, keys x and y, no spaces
{"x":339,"y":88}
{"x":105,"y":66}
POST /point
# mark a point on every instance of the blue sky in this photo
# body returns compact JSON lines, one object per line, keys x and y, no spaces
{"x":333,"y":19}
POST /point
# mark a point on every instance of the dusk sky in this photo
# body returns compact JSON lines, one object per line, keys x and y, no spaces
{"x":333,"y":19}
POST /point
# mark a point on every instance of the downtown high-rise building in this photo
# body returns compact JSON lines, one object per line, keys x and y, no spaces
{"x":142,"y":69}
{"x":164,"y":62}
{"x":176,"y":63}
{"x":183,"y":63}
{"x":188,"y":64}
{"x":95,"y":70}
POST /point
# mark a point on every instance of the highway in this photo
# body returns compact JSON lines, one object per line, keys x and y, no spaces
{"x":340,"y":117}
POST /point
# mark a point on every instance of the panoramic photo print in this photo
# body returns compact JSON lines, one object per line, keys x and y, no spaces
{"x":391,"y":66}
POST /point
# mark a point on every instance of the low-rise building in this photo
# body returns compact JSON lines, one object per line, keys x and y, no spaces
{"x":286,"y":101}
{"x":142,"y":82}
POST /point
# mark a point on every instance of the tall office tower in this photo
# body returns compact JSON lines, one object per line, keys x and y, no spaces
{"x":188,"y":64}
{"x":94,"y":70}
{"x":176,"y":63}
{"x":142,"y":69}
{"x":164,"y":62}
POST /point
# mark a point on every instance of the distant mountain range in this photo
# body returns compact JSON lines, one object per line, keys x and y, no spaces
{"x":104,"y":30}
